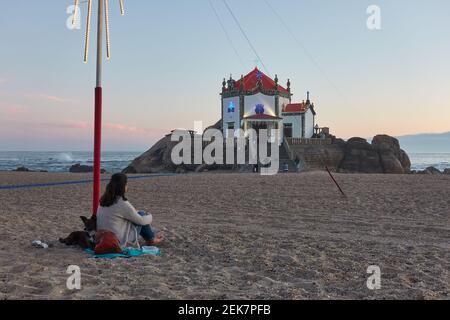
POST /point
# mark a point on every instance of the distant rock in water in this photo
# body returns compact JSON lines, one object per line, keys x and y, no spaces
{"x":431,"y":171}
{"x":24,"y":169}
{"x":78,"y":168}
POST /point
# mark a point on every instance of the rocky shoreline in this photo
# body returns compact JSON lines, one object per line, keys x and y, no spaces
{"x":76,"y":168}
{"x":431,"y":171}
{"x":357,"y":155}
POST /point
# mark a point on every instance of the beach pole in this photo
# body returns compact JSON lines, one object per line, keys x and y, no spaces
{"x":98,"y":112}
{"x":335,"y":182}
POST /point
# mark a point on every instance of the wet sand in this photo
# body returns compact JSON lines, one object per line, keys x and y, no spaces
{"x":231,"y":236}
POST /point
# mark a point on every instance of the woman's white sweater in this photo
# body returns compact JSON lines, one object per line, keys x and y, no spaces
{"x":121,"y":219}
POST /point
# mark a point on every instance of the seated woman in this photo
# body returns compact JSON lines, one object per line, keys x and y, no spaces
{"x":118,"y":216}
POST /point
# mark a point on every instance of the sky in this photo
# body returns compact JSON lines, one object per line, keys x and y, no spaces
{"x":169,"y":59}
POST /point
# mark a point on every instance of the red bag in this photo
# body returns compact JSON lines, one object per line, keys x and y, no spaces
{"x":106,"y":242}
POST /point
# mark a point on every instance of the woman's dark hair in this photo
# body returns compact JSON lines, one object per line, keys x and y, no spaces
{"x":114,"y":190}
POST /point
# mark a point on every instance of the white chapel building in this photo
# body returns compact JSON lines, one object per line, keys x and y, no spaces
{"x":259,"y":102}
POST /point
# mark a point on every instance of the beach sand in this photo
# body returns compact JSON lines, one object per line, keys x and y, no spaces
{"x":231,"y":236}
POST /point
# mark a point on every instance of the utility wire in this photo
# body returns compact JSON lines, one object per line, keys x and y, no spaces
{"x":246,"y":37}
{"x":227,"y":34}
{"x":305,"y":50}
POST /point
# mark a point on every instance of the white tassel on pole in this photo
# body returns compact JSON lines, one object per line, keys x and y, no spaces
{"x":108,"y":43}
{"x":88,"y":31}
{"x":104,"y":4}
{"x":75,"y":12}
{"x":122,"y":9}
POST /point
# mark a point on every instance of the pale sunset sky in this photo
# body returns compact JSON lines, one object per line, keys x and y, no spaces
{"x":169,"y":59}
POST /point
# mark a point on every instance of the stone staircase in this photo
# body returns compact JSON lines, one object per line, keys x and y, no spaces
{"x":285,"y":158}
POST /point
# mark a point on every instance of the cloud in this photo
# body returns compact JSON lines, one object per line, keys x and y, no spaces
{"x":3,"y":80}
{"x":52,"y":98}
{"x":79,"y":125}
{"x":110,"y":128}
{"x":124,"y":128}
{"x":12,"y":111}
{"x":15,"y":111}
{"x":45,"y":97}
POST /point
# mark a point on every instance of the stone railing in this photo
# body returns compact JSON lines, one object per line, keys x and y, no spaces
{"x":305,"y":141}
{"x":288,"y":148}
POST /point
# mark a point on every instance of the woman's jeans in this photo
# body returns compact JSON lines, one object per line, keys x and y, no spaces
{"x":146,"y":232}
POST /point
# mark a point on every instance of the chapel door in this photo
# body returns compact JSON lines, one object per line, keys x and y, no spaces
{"x":288,"y":131}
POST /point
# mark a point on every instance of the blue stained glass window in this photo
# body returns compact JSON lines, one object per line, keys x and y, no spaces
{"x":231,"y":107}
{"x":259,"y":109}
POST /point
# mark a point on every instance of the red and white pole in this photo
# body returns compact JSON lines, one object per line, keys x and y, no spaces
{"x":98,"y":113}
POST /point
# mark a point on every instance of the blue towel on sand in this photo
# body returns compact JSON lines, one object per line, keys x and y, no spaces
{"x":127,"y":253}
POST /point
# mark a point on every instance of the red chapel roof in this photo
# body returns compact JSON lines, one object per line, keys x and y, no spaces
{"x":296,"y":107}
{"x":251,"y":82}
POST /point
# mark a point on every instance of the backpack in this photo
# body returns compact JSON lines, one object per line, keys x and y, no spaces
{"x":106,"y":242}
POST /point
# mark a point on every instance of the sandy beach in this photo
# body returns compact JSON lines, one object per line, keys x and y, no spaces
{"x":233,"y":236}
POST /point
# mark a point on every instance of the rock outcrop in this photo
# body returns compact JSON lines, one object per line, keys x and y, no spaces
{"x":158,"y":160}
{"x":360,"y":156}
{"x":383,"y":155}
{"x":25,"y":169}
{"x":393,"y":159}
{"x":430,"y":171}
{"x":78,"y":168}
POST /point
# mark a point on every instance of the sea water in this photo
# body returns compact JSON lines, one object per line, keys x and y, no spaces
{"x":116,"y":161}
{"x":421,"y":161}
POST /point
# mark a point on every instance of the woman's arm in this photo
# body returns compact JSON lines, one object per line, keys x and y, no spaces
{"x":130,"y":214}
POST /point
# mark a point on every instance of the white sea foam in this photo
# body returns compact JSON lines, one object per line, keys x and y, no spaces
{"x":65,"y":157}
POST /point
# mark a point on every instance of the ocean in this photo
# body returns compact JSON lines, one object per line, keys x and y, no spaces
{"x":421,"y":161}
{"x":62,"y":161}
{"x":116,"y":161}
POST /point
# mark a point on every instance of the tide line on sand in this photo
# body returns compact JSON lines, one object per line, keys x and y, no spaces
{"x":65,"y":183}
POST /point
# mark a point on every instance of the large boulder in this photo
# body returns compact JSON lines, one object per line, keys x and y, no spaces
{"x":156,"y":160}
{"x":383,"y":155}
{"x":360,"y":157}
{"x":393,"y":159}
{"x":159,"y":160}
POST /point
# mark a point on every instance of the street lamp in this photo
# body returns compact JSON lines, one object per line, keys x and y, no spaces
{"x":102,"y":21}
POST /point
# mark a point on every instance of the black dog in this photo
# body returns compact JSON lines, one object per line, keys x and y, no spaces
{"x":84,"y":239}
